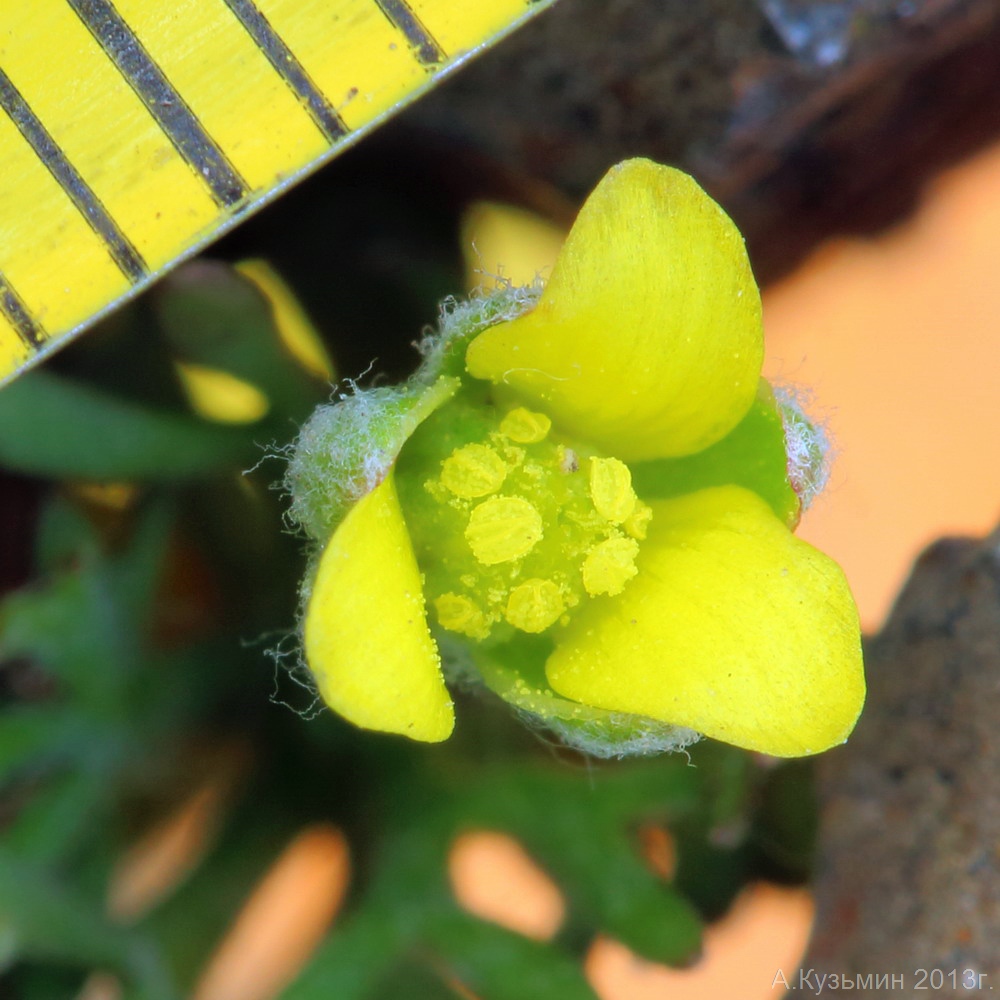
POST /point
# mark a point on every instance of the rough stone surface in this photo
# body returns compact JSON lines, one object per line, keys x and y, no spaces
{"x":804,"y":119}
{"x":909,"y":873}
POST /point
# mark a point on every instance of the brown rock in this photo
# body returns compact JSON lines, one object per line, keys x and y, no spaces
{"x":804,"y":119}
{"x":909,"y":876}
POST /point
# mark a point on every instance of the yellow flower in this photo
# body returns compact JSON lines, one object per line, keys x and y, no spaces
{"x":584,"y":498}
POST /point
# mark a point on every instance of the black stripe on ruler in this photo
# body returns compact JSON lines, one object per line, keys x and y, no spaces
{"x":403,"y":17}
{"x":281,"y":57}
{"x":165,"y":104}
{"x":16,"y":313}
{"x":124,"y":254}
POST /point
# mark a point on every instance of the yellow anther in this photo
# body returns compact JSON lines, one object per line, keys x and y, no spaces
{"x":610,"y":565}
{"x":525,"y":426}
{"x":611,"y":489}
{"x":503,"y":528}
{"x":474,"y":470}
{"x":458,"y":613}
{"x":637,"y":523}
{"x":534,"y":605}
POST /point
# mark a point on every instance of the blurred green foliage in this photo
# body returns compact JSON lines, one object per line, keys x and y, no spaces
{"x":133,"y":659}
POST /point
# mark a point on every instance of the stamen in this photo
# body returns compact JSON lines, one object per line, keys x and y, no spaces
{"x":502,"y":529}
{"x":521,"y":526}
{"x":472,"y":471}
{"x":525,"y":426}
{"x":535,"y":605}
{"x":611,"y":489}
{"x":636,"y":524}
{"x":610,"y":565}
{"x":458,"y":613}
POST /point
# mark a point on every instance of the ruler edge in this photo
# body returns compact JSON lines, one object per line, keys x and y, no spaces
{"x":230,"y":222}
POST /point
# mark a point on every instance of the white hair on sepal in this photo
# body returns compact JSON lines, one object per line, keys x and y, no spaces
{"x":459,"y":320}
{"x":808,"y":448}
{"x":618,"y":736}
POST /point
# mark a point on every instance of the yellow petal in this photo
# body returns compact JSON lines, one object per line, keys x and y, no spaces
{"x":647,"y":340}
{"x":732,"y":627}
{"x":219,"y":396}
{"x":293,"y":324}
{"x":366,"y":635}
{"x":511,"y":243}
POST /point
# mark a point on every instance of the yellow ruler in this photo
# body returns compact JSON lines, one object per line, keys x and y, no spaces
{"x":133,"y":132}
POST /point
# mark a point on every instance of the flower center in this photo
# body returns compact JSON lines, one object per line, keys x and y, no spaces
{"x":514,"y":525}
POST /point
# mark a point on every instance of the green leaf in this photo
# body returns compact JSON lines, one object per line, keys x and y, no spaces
{"x":607,"y":885}
{"x":63,"y":532}
{"x":786,"y":826}
{"x":751,"y":455}
{"x":352,"y":960}
{"x":501,"y":965}
{"x":47,"y":920}
{"x":86,"y":624}
{"x":52,"y":426}
{"x":59,"y":627}
{"x":411,"y":980}
{"x":714,"y":849}
{"x":650,"y":917}
{"x":37,"y":734}
{"x":86,"y":628}
{"x":60,"y":815}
